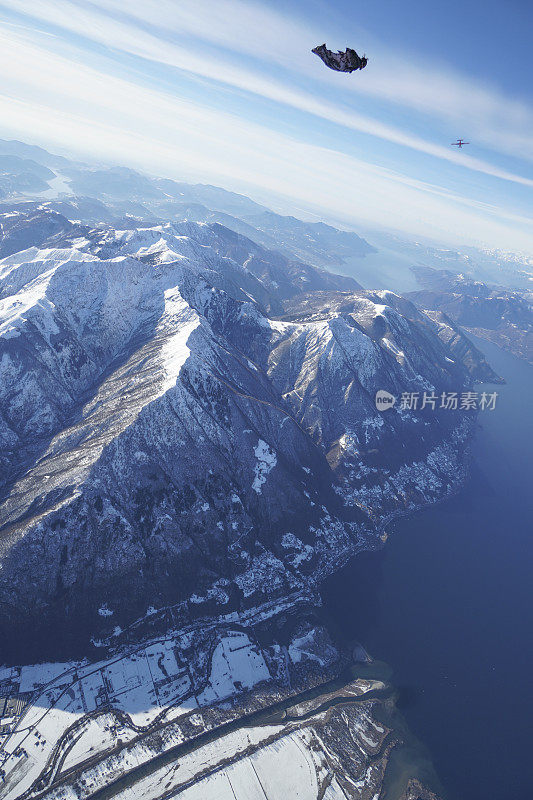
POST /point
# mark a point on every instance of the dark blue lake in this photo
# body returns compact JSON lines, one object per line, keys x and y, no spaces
{"x":448,"y":603}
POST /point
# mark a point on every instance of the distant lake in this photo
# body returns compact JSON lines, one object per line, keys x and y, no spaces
{"x":448,"y":603}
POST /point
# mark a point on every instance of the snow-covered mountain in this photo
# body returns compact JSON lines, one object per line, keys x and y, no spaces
{"x":504,"y":316}
{"x":69,"y":185}
{"x":182,"y":420}
{"x":189,"y":443}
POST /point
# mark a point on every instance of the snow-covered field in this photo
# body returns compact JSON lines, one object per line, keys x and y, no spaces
{"x":79,"y":709}
{"x":286,"y":768}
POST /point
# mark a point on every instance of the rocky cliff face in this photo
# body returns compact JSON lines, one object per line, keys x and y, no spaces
{"x":503,"y":316}
{"x":179,"y":420}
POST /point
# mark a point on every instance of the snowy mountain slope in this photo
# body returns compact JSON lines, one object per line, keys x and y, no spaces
{"x":127,"y":192}
{"x":491,"y":312}
{"x":328,"y":244}
{"x":28,"y":225}
{"x":85,"y":299}
{"x":165,"y":432}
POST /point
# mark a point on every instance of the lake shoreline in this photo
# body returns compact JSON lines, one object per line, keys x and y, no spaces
{"x":429,"y":604}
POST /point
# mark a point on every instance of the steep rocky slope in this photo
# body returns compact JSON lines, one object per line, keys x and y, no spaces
{"x":503,"y":316}
{"x":179,"y":421}
{"x":73,"y":185}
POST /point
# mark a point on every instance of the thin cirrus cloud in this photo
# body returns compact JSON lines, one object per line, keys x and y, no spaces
{"x":90,"y":100}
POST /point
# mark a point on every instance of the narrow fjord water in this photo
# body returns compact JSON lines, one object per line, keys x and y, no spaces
{"x":448,"y":604}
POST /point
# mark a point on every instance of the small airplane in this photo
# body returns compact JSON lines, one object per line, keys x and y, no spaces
{"x":459,"y":143}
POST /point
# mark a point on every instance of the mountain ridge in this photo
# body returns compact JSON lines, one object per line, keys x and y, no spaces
{"x":216,"y":395}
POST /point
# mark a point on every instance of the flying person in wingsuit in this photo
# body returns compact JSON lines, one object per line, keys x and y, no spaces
{"x":349,"y":61}
{"x":340,"y":62}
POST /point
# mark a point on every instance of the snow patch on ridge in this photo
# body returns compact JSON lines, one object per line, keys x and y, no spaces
{"x":266,"y":461}
{"x":174,"y":353}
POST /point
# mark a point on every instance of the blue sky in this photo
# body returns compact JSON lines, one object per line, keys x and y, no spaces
{"x":227,"y":92}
